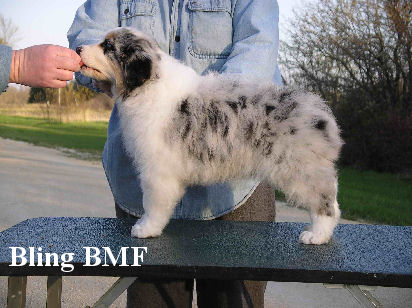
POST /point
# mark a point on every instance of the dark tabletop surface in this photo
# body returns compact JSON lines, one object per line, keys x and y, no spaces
{"x":357,"y":254}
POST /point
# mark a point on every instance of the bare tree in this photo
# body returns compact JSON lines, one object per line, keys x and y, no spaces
{"x":8,"y":31}
{"x":358,"y":55}
{"x":345,"y":44}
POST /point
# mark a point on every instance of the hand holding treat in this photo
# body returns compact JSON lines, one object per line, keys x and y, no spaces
{"x":48,"y":66}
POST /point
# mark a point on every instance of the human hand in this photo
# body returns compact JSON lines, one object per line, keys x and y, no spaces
{"x":47,"y":66}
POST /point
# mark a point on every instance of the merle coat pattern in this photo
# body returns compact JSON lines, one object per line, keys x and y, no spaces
{"x":183,"y":129}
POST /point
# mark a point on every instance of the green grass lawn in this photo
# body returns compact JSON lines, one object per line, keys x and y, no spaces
{"x":369,"y":196}
{"x":87,"y":136}
{"x":375,"y":197}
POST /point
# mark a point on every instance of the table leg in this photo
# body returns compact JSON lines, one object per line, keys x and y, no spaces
{"x":16,"y":296}
{"x":54,"y":292}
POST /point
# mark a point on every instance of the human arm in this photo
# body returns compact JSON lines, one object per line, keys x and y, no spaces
{"x":255,"y":40}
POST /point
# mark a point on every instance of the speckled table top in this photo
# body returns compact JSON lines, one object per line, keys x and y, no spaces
{"x":357,"y":254}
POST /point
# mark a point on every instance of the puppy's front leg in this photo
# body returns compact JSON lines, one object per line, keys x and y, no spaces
{"x":160,"y":197}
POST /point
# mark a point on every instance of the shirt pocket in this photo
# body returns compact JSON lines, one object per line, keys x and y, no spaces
{"x":138,"y":14}
{"x":210,"y":28}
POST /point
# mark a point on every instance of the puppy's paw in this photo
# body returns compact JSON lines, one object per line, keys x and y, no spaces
{"x":309,"y":237}
{"x":146,"y":227}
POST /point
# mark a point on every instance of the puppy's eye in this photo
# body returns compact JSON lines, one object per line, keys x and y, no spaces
{"x":107,"y":45}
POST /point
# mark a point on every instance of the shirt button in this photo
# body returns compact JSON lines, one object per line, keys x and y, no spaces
{"x":126,"y":11}
{"x":177,"y":38}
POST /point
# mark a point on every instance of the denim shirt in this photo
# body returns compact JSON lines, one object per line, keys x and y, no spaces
{"x":5,"y":66}
{"x":229,"y":36}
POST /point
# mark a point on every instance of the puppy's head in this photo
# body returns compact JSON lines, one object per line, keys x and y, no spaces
{"x":126,"y":58}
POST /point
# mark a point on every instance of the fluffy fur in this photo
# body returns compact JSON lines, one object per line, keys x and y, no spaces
{"x":181,"y":128}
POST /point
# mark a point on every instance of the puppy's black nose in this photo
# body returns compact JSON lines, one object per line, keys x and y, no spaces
{"x":79,"y":50}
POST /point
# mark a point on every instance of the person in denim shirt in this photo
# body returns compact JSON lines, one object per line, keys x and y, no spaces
{"x":229,"y":36}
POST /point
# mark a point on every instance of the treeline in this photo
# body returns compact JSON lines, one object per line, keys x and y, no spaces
{"x":358,"y":56}
{"x":71,"y":95}
{"x":14,"y":96}
{"x":72,"y":103}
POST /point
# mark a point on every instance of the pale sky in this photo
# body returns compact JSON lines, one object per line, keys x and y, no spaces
{"x":47,"y":22}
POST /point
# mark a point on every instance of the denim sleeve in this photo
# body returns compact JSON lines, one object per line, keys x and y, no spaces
{"x":92,"y":21}
{"x":255,"y":40}
{"x":5,"y":66}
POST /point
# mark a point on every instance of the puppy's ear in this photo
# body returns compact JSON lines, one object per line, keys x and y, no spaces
{"x":136,"y":72}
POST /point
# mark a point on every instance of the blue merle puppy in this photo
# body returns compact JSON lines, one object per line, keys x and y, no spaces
{"x":182,"y":129}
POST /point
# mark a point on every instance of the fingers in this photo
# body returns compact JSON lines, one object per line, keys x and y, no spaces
{"x":72,"y":58}
{"x":64,"y":75}
{"x":66,"y":52}
{"x":66,"y":63}
{"x":57,"y":84}
{"x":64,"y":58}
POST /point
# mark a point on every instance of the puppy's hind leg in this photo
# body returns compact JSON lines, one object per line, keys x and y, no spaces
{"x":160,"y":197}
{"x":317,"y":193}
{"x":324,"y":220}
